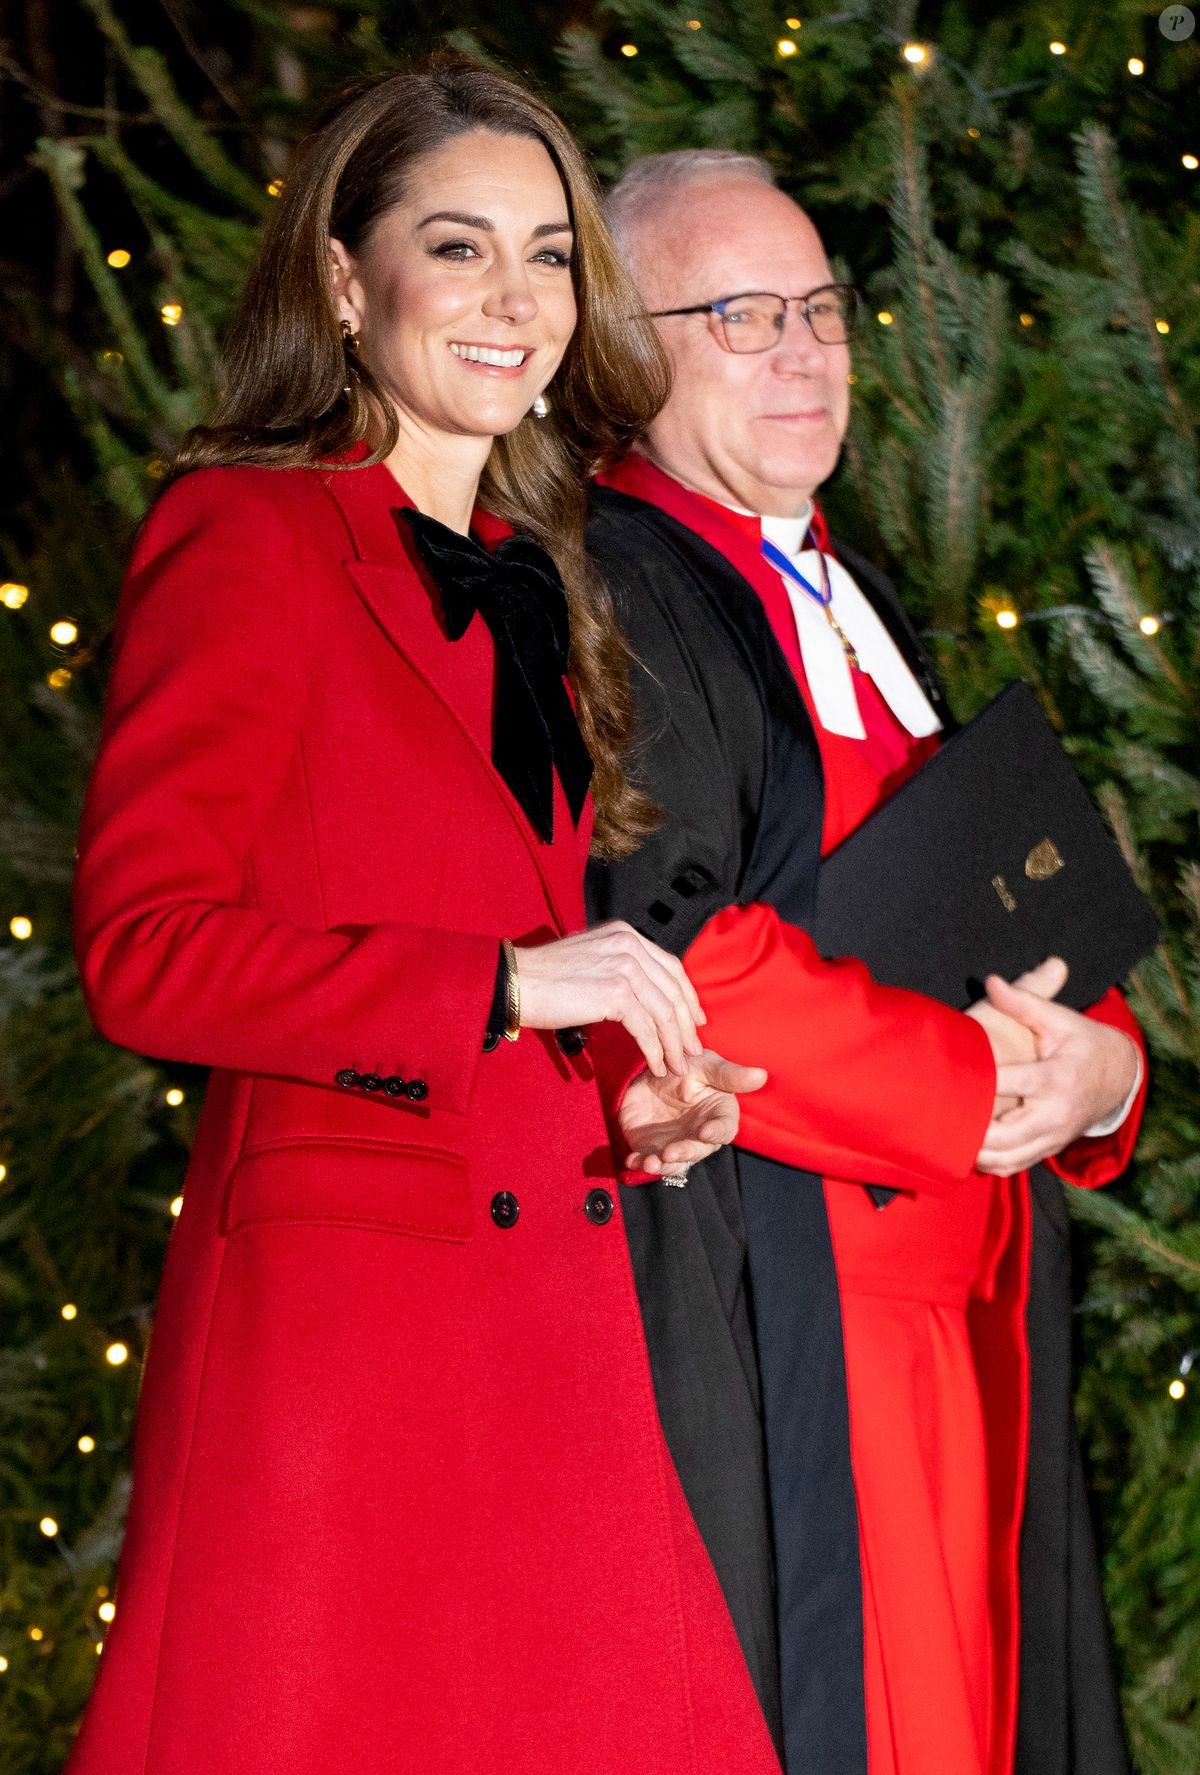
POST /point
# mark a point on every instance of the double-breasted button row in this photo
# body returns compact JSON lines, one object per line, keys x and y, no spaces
{"x":416,"y":1090}
{"x":506,"y":1210}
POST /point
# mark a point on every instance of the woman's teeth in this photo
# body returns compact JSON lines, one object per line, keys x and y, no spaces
{"x":484,"y":354}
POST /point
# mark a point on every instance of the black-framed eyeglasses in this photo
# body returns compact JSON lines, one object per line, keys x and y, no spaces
{"x":755,"y":319}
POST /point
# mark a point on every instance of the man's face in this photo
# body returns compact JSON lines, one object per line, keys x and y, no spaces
{"x":760,"y":430}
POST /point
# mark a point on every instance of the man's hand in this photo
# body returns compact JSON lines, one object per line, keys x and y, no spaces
{"x":1084,"y":1072}
{"x":670,"y":1123}
{"x":1013,"y":1042}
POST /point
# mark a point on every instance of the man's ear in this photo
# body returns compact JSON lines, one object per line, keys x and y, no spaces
{"x":347,"y":291}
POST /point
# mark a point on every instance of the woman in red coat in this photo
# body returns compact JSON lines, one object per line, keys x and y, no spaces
{"x":401,"y":1499}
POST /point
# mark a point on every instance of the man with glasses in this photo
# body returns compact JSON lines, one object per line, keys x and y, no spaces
{"x":861,"y":1369}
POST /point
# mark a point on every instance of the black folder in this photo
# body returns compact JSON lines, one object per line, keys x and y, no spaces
{"x":989,"y":859}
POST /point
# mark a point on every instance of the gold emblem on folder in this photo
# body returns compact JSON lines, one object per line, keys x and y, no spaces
{"x":1004,"y":893}
{"x":1043,"y":861}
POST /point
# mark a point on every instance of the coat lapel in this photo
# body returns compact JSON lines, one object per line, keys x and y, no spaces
{"x":403,"y":602}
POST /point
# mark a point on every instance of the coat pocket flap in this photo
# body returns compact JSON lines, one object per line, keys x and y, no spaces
{"x":402,"y":1189}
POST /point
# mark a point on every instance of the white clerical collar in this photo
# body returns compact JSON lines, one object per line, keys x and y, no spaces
{"x":826,"y":667}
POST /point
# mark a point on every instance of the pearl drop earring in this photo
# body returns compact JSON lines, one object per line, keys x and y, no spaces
{"x":541,"y":406}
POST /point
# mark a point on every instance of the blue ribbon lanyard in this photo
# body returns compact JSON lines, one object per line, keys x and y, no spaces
{"x":822,"y":595}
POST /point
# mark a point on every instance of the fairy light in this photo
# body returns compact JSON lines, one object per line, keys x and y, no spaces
{"x":21,"y":928}
{"x":915,"y":54}
{"x":116,"y":1354}
{"x":1162,"y":326}
{"x":59,"y":678}
{"x":64,"y":633}
{"x":86,"y":1445}
{"x":1177,"y":1388}
{"x":974,"y":133}
{"x":1136,"y":65}
{"x":793,"y":24}
{"x":629,"y":49}
{"x":885,"y":317}
{"x":785,"y":47}
{"x":1057,"y":48}
{"x":69,"y":1310}
{"x":174,"y":1097}
{"x":172,"y":313}
{"x":1191,"y":162}
{"x":1026,"y":320}
{"x":695,"y":24}
{"x":48,"y":1527}
{"x":112,"y":357}
{"x":274,"y":188}
{"x":98,"y":1646}
{"x":107,"y":1611}
{"x":1149,"y":625}
{"x":3,"y":1172}
{"x":3,"y":1663}
{"x":37,"y":1635}
{"x":119,"y":258}
{"x":177,"y":1207}
{"x":1007,"y":618}
{"x":12,"y":595}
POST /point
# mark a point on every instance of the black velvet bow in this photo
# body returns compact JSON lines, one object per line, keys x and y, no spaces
{"x":517,"y":591}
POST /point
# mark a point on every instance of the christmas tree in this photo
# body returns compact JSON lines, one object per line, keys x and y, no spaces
{"x":1016,"y":191}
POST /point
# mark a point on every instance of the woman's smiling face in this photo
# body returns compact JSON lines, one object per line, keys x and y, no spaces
{"x":462,"y":295}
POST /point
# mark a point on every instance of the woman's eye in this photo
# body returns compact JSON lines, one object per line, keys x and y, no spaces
{"x":454,"y":249}
{"x":553,"y":256}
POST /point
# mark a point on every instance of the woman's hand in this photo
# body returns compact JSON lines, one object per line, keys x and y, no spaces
{"x":610,"y":974}
{"x":670,"y":1123}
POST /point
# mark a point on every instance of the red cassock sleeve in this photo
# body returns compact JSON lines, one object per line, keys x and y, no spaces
{"x":1089,"y":1164}
{"x":867,"y":1082}
{"x":213,"y":656}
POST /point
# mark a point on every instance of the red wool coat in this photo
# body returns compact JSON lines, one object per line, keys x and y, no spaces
{"x":401,"y":1499}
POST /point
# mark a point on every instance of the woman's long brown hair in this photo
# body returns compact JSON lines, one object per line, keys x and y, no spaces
{"x":284,"y":402}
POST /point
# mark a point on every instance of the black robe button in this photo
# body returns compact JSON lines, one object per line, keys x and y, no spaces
{"x":571,"y":1041}
{"x":395,"y":1087}
{"x":347,"y":1078}
{"x":505,"y":1209}
{"x":416,"y":1090}
{"x":371,"y":1081}
{"x":598,"y":1207}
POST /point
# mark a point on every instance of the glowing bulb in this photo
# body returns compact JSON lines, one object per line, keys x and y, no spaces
{"x":885,"y":317}
{"x":3,"y":1663}
{"x":695,"y":24}
{"x":119,"y":258}
{"x":973,"y":133}
{"x":629,"y":49}
{"x":1057,"y":48}
{"x":785,"y":47}
{"x":1162,"y":326}
{"x":65,"y":633}
{"x":1149,"y":625}
{"x":113,"y":357}
{"x":98,"y":1647}
{"x":70,"y":1310}
{"x":48,"y":1527}
{"x":1191,"y":162}
{"x":59,"y":678}
{"x":21,"y":928}
{"x":116,"y":1354}
{"x":37,"y":1635}
{"x":172,"y":313}
{"x":1007,"y":619}
{"x":1177,"y":1389}
{"x":174,"y":1097}
{"x":3,"y":1172}
{"x":1136,"y":65}
{"x":852,"y":379}
{"x":275,"y":187}
{"x":793,"y":24}
{"x":177,"y":1207}
{"x":86,"y":1445}
{"x":915,"y":54}
{"x":12,"y":595}
{"x":107,"y":1611}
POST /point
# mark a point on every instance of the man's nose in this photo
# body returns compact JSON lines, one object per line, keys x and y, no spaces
{"x":799,"y":352}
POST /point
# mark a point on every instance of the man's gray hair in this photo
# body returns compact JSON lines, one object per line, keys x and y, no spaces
{"x":649,"y":182}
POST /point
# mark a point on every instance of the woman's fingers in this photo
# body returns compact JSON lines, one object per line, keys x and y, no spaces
{"x":670,"y":979}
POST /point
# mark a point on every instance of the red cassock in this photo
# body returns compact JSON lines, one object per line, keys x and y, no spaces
{"x":933,"y":1289}
{"x":401,"y":1500}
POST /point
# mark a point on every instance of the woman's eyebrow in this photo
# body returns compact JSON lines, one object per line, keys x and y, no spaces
{"x":487,"y":226}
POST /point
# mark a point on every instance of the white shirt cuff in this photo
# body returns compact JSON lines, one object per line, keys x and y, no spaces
{"x":1111,"y":1123}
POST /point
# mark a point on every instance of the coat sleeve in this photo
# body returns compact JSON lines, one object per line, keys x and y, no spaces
{"x":212,"y":661}
{"x":1090,"y":1164}
{"x":866,"y":1082}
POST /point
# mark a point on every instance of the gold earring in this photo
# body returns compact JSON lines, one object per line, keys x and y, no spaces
{"x":349,"y":338}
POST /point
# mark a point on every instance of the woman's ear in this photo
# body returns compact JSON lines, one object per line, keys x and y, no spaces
{"x":347,"y":291}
